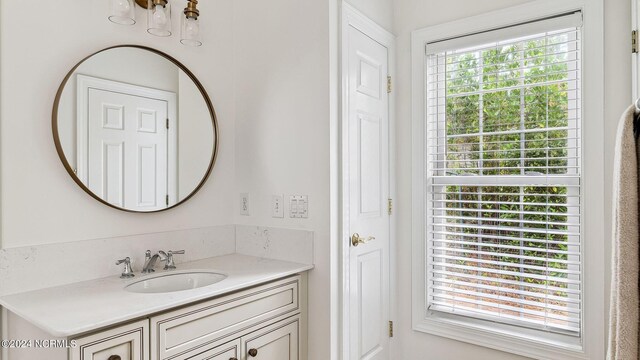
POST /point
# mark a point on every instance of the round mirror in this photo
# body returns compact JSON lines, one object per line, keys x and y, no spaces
{"x":135,"y":129}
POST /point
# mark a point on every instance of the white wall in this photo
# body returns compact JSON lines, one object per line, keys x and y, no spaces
{"x":617,"y":90}
{"x":415,"y":14}
{"x":195,"y":139}
{"x":40,"y":202}
{"x":282,"y":129}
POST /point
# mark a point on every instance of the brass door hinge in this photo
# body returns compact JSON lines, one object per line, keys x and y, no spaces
{"x":390,"y":206}
{"x":167,"y":123}
{"x":167,"y":200}
{"x":634,"y":41}
{"x":390,"y":328}
{"x":388,"y":84}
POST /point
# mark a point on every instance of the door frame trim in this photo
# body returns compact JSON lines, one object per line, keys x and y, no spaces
{"x":351,"y":17}
{"x":635,"y":61}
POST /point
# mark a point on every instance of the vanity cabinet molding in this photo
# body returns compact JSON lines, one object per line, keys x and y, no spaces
{"x":191,"y":330}
{"x":127,"y":342}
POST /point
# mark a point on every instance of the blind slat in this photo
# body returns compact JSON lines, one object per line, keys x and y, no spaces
{"x":504,"y":307}
{"x":517,"y":320}
{"x":474,"y":253}
{"x":460,"y":241}
{"x":503,"y":264}
{"x":477,"y":286}
{"x":506,"y":282}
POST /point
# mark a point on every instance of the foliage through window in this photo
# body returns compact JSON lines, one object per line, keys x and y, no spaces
{"x":504,"y":156}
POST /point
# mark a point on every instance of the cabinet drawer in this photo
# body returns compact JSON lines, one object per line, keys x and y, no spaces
{"x":184,"y":330}
{"x":228,"y":351}
{"x":128,"y":342}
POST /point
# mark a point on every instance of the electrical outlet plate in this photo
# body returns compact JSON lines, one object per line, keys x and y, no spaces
{"x":277,"y":206}
{"x":244,"y":204}
{"x":299,"y":206}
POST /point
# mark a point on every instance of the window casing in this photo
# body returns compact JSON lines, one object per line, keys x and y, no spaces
{"x":503,"y":178}
{"x":530,"y":340}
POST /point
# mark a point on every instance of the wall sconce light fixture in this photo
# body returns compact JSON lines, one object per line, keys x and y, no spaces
{"x":190,"y":34}
{"x":159,"y":18}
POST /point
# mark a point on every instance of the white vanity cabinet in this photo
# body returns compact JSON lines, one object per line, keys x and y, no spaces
{"x":265,"y":322}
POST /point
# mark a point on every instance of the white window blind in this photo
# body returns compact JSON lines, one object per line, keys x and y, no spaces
{"x":503,"y":181}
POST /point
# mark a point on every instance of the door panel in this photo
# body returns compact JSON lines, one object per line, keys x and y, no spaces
{"x":369,"y":165}
{"x":371,"y":314}
{"x":113,"y":172}
{"x":368,"y":191}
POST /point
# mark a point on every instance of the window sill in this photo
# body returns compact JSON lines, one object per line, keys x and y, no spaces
{"x":511,"y":339}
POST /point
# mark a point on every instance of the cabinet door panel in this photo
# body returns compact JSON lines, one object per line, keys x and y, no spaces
{"x":276,"y":342}
{"x":228,"y":351}
{"x":129,"y":342}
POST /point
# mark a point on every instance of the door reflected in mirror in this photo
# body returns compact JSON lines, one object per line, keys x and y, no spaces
{"x":135,"y":129}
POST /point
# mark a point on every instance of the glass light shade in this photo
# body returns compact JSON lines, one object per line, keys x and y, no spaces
{"x":159,"y":19}
{"x":122,"y":12}
{"x":190,"y":31}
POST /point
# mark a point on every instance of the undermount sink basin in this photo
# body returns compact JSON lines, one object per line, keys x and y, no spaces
{"x":175,"y":281}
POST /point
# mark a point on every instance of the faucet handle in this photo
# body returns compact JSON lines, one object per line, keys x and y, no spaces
{"x":127,"y":272}
{"x":170,"y":265}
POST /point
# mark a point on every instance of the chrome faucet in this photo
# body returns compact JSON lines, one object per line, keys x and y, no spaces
{"x":128,"y":271}
{"x":170,"y":265}
{"x":150,"y":260}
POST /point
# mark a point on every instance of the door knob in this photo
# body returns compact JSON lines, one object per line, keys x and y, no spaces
{"x":253,"y":352}
{"x":356,"y":239}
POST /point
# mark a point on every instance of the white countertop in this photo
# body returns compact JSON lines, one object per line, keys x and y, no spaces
{"x":72,"y":309}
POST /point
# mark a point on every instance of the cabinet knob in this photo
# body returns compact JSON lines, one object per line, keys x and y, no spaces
{"x":114,"y":357}
{"x":253,"y":352}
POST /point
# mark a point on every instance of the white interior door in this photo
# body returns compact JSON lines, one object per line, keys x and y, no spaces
{"x":127,"y":150}
{"x":368,"y":194}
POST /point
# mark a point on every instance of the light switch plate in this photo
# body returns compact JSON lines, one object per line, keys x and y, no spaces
{"x":299,"y":206}
{"x":277,"y":206}
{"x":244,"y":204}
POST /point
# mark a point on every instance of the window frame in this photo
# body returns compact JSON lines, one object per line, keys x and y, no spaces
{"x":510,"y":338}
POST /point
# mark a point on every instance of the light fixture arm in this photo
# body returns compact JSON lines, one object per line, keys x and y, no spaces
{"x":143,"y":4}
{"x":191,"y":11}
{"x":150,"y":4}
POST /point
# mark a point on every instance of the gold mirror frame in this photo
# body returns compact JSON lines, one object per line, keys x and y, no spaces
{"x":203,"y":92}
